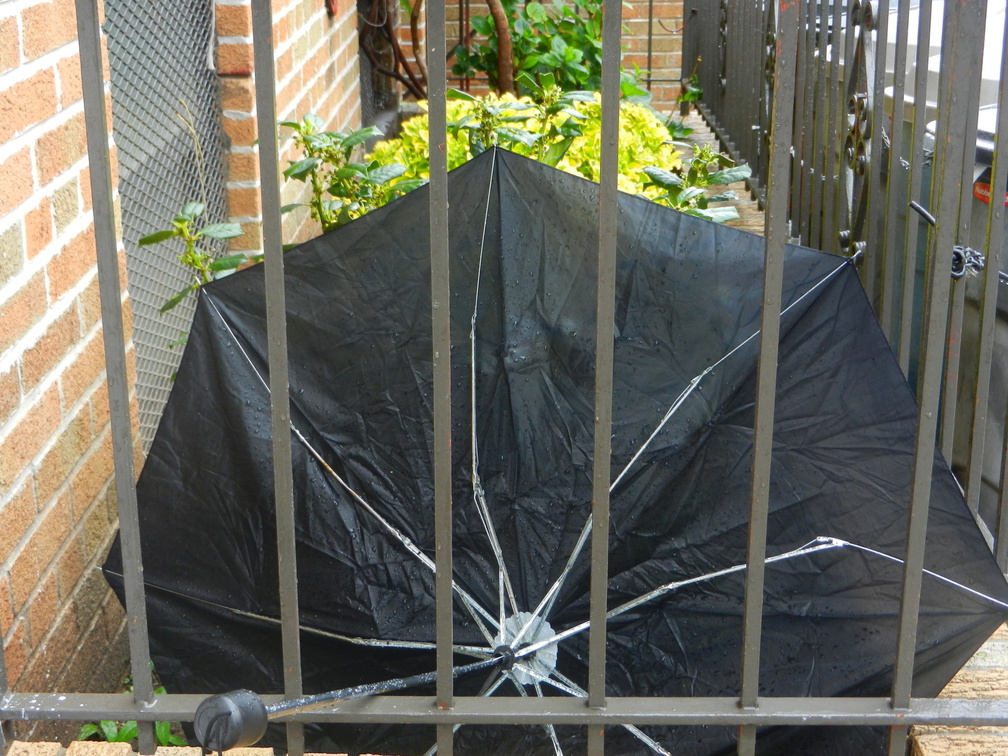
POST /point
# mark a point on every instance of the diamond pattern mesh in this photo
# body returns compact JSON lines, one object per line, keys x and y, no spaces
{"x":158,"y":54}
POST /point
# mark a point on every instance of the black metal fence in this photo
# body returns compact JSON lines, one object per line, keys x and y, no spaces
{"x":812,"y":122}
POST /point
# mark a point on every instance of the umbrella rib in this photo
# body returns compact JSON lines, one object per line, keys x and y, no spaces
{"x":819,"y":544}
{"x":477,"y":651}
{"x":471,"y":605}
{"x":487,"y":691}
{"x":558,"y":751}
{"x":546,"y":604}
{"x":941,"y":578}
{"x":571,"y":688}
{"x":479,"y":495}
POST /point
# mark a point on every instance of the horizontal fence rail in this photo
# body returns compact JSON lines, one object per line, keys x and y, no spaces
{"x":835,"y":172}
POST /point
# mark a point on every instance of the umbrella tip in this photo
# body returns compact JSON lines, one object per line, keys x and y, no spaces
{"x":230,"y":720}
{"x":507,"y":656}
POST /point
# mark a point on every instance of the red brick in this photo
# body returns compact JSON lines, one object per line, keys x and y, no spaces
{"x":234,"y":60}
{"x":23,"y":578}
{"x":16,"y":652}
{"x":22,"y":310}
{"x":243,"y":202}
{"x":55,"y":467}
{"x":71,"y":264}
{"x":45,"y":542}
{"x":16,"y":184}
{"x":27,"y":103}
{"x":91,"y":478}
{"x":45,"y":354}
{"x":6,"y":610}
{"x":89,"y":303}
{"x":243,"y":166}
{"x":78,"y":377}
{"x":234,"y":20}
{"x":69,"y":567}
{"x":70,"y":89}
{"x":23,"y":441}
{"x":60,"y":148}
{"x":47,"y":26}
{"x":10,"y":53}
{"x":99,"y":410}
{"x":237,"y":93}
{"x":42,"y":609}
{"x":16,"y":517}
{"x":66,"y":205}
{"x":242,"y":132}
{"x":38,"y":227}
{"x":10,"y":395}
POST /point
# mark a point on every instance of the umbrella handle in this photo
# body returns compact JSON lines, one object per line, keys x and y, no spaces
{"x":239,"y":718}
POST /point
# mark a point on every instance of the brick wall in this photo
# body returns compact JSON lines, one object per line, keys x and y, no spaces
{"x":316,"y":71}
{"x":61,"y":626}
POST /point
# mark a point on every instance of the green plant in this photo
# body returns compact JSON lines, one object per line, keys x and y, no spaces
{"x":124,"y":732}
{"x":341,"y":189}
{"x":685,"y":189}
{"x":197,"y":255}
{"x":563,"y":129}
{"x":691,"y":90}
{"x":561,"y":39}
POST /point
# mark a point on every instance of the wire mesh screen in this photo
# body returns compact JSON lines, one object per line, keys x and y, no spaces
{"x":165,"y":92}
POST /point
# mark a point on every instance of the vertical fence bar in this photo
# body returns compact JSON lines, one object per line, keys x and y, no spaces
{"x":874,"y":263}
{"x":975,"y":16}
{"x":906,"y":340}
{"x":895,"y":171}
{"x":836,"y":97}
{"x":843,"y":218}
{"x":945,"y":204}
{"x":279,"y":382}
{"x":766,"y":386}
{"x":604,"y":344}
{"x":988,"y":310}
{"x":441,"y":331}
{"x":994,"y":238}
{"x":820,"y":157}
{"x":806,"y":112}
{"x":797,"y":126}
{"x":93,"y":85}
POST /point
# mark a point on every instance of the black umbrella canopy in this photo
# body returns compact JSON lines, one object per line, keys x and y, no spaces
{"x":523,"y":266}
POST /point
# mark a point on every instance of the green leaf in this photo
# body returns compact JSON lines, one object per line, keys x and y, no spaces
{"x":87,"y":731}
{"x":555,"y":152}
{"x":126,"y":733}
{"x":229,"y":262}
{"x":362,"y":135}
{"x":174,"y":301}
{"x":662,"y":177}
{"x":717,"y":214}
{"x":458,"y":94}
{"x":690,"y":192}
{"x":723,"y":197}
{"x":292,"y":206}
{"x":385,"y":173}
{"x":110,"y":730}
{"x":730,"y":175}
{"x":192,"y":210}
{"x":157,"y":237}
{"x":221,"y":230}
{"x":301,"y":168}
{"x":536,"y":12}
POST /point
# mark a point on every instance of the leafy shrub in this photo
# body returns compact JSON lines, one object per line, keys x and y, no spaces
{"x":564,"y":130}
{"x":561,"y":39}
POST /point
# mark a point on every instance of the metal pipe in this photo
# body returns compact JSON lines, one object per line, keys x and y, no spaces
{"x":766,"y":386}
{"x":106,"y":243}
{"x":604,"y":345}
{"x":276,"y":334}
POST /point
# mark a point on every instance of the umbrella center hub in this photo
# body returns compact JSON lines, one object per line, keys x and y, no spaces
{"x":535,"y":667}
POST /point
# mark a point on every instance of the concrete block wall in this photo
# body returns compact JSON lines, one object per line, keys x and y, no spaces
{"x":316,"y":72}
{"x":62,"y":628}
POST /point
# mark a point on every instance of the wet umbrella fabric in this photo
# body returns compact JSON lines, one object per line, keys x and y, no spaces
{"x":523,"y":243}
